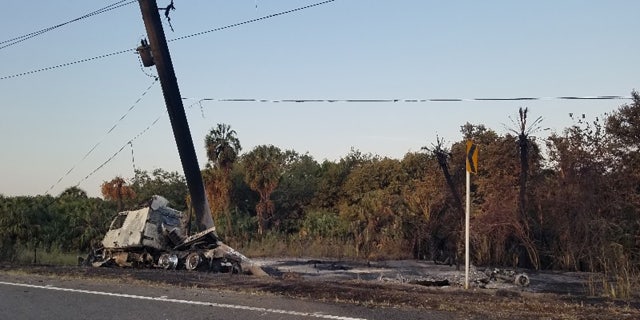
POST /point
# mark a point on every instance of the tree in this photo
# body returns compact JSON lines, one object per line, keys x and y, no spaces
{"x":580,"y":199}
{"x":373,"y":205}
{"x":499,"y":234}
{"x":222,"y":147}
{"x":295,"y":191}
{"x":623,"y":130}
{"x":525,"y":144}
{"x":79,"y":222}
{"x":443,"y":155}
{"x":447,"y":226}
{"x":23,"y":222}
{"x":264,"y":166}
{"x":117,"y":190}
{"x":332,"y":178}
{"x":170,"y":185}
{"x":425,"y":195}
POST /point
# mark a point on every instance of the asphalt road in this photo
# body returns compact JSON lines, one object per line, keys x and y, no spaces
{"x":43,"y":297}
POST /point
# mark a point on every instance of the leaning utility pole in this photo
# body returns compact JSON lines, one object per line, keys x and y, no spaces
{"x":179,"y":124}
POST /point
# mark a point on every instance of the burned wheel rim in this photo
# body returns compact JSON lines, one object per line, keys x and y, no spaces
{"x":236,"y":268}
{"x":168,"y":261}
{"x":522,"y":280}
{"x":193,"y":261}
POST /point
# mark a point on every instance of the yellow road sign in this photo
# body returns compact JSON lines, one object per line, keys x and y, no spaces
{"x":472,"y":157}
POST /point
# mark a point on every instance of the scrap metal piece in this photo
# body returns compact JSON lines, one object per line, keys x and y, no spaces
{"x":244,"y":264}
{"x":509,"y":276}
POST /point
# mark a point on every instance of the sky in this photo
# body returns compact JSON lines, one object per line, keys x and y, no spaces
{"x":345,"y":49}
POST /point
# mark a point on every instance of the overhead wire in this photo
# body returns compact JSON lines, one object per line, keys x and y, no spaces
{"x":273,"y":15}
{"x":200,"y":100}
{"x":399,"y":100}
{"x":95,"y":146}
{"x":129,"y":143}
{"x":66,"y":64}
{"x":133,"y":157}
{"x":16,"y":40}
{"x":176,"y":39}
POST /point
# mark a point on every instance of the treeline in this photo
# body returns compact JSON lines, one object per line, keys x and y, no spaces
{"x":571,"y":201}
{"x":74,"y":222}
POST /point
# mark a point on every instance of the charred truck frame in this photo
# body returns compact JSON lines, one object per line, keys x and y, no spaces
{"x":155,"y":236}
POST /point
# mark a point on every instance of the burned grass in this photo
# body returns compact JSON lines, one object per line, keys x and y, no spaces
{"x":473,"y":303}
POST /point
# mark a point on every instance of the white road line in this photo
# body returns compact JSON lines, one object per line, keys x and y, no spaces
{"x":201,"y":303}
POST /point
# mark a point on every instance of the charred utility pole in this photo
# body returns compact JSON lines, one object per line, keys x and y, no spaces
{"x":173,"y":100}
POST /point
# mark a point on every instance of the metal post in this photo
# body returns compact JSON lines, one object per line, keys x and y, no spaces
{"x":173,"y":100}
{"x":466,"y":232}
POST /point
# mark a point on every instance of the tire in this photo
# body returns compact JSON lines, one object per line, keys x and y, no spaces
{"x":193,"y":261}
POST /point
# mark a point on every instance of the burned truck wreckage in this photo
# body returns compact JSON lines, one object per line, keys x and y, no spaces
{"x":156,"y":236}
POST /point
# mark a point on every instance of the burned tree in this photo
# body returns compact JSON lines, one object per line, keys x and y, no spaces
{"x":447,"y":225}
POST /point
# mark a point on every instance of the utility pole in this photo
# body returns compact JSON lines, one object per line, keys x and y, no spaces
{"x":173,"y":100}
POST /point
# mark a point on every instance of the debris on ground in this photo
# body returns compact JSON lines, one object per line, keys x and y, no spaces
{"x":421,"y":273}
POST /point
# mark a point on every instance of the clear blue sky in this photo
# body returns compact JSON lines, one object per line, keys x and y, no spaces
{"x":348,"y":49}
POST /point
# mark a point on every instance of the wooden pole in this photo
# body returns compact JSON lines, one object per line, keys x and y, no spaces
{"x":179,"y":124}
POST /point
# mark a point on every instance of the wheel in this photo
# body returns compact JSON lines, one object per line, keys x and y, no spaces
{"x":522,"y":280}
{"x":236,"y":268}
{"x":193,"y":261}
{"x":168,"y":261}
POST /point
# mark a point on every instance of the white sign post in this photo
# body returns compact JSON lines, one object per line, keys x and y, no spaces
{"x":472,"y":167}
{"x":466,"y":233}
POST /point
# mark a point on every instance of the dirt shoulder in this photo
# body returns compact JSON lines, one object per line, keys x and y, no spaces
{"x":348,"y":283}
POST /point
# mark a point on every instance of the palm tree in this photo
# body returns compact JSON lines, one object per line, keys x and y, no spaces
{"x":442,"y":154}
{"x":524,"y":145}
{"x":223,"y":148}
{"x":446,"y":234}
{"x":264,"y":167}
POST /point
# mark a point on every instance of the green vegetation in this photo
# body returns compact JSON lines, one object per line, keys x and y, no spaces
{"x":570,"y":202}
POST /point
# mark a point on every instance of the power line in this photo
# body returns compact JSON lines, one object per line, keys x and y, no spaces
{"x":133,"y":157}
{"x":176,"y":39}
{"x":28,"y":36}
{"x":398,"y":100}
{"x":199,"y":102}
{"x":252,"y":20}
{"x":66,"y":64}
{"x":105,"y":135}
{"x":130,"y":142}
